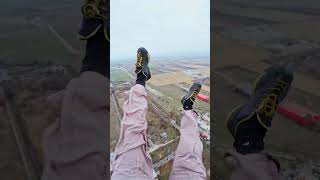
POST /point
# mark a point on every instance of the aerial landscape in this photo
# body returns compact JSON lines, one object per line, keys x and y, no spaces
{"x":171,"y":79}
{"x":248,"y":36}
{"x":40,"y":54}
{"x":176,"y":60}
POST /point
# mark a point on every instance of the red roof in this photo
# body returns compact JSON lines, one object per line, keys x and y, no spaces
{"x":299,"y":114}
{"x":203,"y":97}
{"x":204,"y":134}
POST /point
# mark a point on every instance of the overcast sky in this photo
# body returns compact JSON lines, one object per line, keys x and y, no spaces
{"x":163,"y":27}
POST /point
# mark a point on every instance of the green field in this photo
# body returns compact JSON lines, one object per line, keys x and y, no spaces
{"x":37,"y":45}
{"x":172,"y":98}
{"x":23,"y":42}
{"x":118,"y":75}
{"x":114,"y":127}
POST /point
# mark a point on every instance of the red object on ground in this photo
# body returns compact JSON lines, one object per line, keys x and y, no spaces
{"x":203,"y":97}
{"x":299,"y":114}
{"x":204,"y":134}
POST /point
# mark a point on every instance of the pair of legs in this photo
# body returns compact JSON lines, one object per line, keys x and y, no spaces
{"x":132,"y":158}
{"x":74,"y":145}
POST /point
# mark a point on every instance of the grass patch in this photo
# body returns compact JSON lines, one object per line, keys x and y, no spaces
{"x":171,"y":132}
{"x":172,"y":97}
{"x":117,"y":75}
{"x":37,"y":45}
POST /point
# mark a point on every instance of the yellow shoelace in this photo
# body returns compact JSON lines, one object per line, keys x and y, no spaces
{"x":139,"y":60}
{"x":269,"y":104}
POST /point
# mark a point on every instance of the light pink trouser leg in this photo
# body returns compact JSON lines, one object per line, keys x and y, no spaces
{"x":254,"y":166}
{"x":188,"y":159}
{"x":74,"y":145}
{"x":132,"y":159}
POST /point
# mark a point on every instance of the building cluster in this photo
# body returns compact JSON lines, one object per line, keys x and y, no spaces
{"x":204,"y":126}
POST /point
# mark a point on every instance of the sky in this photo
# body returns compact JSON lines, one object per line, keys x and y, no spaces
{"x":163,"y":27}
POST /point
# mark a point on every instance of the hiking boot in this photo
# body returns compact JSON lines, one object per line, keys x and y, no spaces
{"x":143,"y":59}
{"x":188,"y":100}
{"x":270,"y":89}
{"x":95,"y":16}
